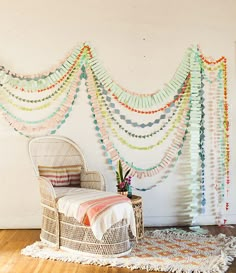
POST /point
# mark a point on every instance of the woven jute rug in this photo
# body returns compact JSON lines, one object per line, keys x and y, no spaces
{"x":169,"y":250}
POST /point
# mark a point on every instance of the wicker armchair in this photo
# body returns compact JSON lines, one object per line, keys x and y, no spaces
{"x":58,"y":229}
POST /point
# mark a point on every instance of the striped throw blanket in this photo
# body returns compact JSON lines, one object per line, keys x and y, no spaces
{"x":90,"y":210}
{"x":95,"y":208}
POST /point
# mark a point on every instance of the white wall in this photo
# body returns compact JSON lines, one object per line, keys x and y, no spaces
{"x":140,"y":43}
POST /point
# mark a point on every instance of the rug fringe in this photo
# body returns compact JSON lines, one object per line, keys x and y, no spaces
{"x":218,"y":264}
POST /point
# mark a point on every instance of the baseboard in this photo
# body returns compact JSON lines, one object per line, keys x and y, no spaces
{"x":151,"y":221}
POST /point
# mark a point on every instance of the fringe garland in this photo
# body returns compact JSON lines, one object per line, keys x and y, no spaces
{"x":113,"y":152}
{"x":195,"y":120}
{"x":55,"y":93}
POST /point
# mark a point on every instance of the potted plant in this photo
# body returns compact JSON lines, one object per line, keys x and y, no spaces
{"x":123,"y":180}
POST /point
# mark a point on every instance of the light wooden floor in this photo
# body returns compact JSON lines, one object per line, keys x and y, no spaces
{"x":11,"y":261}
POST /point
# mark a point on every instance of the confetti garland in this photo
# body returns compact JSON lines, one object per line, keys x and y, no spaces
{"x":219,"y":129}
{"x":202,"y":146}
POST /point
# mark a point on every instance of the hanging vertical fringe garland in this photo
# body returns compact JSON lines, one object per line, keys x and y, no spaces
{"x":194,"y":128}
{"x":217,"y":79}
{"x":177,"y":110}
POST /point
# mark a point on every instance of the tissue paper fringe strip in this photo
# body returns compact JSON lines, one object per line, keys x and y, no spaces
{"x":40,"y":104}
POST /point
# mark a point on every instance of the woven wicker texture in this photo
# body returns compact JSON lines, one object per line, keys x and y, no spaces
{"x":137,"y":204}
{"x":58,"y":229}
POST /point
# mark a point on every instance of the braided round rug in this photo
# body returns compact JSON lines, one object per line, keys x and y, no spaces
{"x":168,"y":250}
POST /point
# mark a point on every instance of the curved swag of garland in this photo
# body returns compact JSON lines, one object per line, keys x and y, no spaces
{"x":171,"y":116}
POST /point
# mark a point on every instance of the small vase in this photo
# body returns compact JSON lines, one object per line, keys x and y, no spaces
{"x":123,"y":192}
{"x":130,"y":191}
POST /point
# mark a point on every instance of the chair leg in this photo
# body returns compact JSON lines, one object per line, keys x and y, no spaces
{"x":57,"y":230}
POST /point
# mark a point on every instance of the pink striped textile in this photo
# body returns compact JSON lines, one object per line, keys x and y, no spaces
{"x":89,"y":210}
{"x":61,"y":175}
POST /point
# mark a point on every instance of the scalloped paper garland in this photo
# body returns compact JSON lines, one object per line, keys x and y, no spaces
{"x":105,"y":116}
{"x":136,"y":124}
{"x":48,"y":80}
{"x":111,"y":150}
{"x":84,"y":59}
{"x":141,"y":101}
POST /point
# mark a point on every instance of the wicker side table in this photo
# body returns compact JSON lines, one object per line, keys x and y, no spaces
{"x":138,"y":212}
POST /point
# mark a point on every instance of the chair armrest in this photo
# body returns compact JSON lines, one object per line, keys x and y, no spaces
{"x":47,"y":193}
{"x":92,"y":180}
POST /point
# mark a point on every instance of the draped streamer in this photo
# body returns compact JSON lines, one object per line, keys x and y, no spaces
{"x":169,"y":116}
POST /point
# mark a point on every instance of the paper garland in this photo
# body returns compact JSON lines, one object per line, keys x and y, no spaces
{"x":216,"y":76}
{"x":177,"y":110}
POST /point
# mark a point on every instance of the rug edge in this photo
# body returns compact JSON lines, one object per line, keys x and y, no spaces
{"x":227,"y":256}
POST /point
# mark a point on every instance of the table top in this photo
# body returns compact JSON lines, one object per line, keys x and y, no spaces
{"x":136,"y":199}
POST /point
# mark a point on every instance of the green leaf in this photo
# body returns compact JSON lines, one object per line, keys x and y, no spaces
{"x":120,"y":170}
{"x":126,"y":174}
{"x":118,"y":177}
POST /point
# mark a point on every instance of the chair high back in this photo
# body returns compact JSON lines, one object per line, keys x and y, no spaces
{"x":55,"y":151}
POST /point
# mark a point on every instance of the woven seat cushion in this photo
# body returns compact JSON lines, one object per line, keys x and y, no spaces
{"x":61,"y":175}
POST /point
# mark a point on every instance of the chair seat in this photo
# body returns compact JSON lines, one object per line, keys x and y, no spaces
{"x":99,"y":209}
